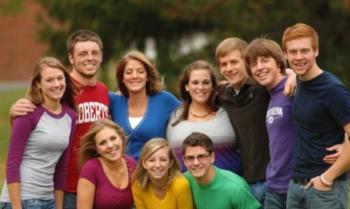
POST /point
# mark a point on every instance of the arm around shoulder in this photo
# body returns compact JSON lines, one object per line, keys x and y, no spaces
{"x":291,"y":83}
{"x":21,"y":107}
{"x":343,"y":163}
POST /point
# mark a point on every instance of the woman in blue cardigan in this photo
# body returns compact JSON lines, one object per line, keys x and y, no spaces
{"x":142,"y":108}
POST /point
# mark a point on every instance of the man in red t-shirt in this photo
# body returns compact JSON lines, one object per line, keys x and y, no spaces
{"x":92,"y":100}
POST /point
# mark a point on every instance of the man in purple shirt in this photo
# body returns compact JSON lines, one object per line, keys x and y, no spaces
{"x":267,"y":64}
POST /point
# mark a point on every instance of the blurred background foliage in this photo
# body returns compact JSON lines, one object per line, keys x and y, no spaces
{"x":176,"y":32}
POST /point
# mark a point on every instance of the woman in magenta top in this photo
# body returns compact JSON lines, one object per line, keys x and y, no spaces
{"x":104,"y":181}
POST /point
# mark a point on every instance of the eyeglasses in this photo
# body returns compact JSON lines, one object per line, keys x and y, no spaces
{"x":200,"y":158}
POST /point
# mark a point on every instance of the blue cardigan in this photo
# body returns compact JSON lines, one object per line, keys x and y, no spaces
{"x":154,"y":121}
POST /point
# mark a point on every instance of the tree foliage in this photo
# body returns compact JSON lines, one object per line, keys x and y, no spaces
{"x":127,"y":23}
{"x":10,"y":7}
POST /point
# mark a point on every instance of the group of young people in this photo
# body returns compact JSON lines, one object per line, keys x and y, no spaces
{"x":247,"y":143}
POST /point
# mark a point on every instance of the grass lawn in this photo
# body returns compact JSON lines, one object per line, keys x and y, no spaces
{"x":7,"y":99}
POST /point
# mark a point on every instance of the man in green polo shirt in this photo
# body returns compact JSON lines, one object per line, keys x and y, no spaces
{"x":213,"y":187}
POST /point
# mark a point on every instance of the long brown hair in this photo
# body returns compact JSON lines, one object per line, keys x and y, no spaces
{"x":34,"y":93}
{"x":186,"y":97}
{"x":154,"y":83}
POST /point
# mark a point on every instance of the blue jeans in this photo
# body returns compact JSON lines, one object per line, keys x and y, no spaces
{"x":300,"y":198}
{"x":70,"y":200}
{"x":274,"y":200}
{"x":32,"y":204}
{"x":258,"y":190}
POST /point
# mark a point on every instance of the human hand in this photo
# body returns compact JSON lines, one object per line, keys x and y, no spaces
{"x":317,"y":184}
{"x":291,"y":83}
{"x":222,"y":83}
{"x":331,"y":158}
{"x":21,"y":107}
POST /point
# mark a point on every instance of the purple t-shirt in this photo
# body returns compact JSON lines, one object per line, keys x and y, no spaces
{"x":108,"y":196}
{"x":280,"y":127}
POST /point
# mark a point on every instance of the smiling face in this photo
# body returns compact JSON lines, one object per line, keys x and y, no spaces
{"x":135,"y":77}
{"x":86,"y":58}
{"x":158,"y":164}
{"x":52,"y":84}
{"x":200,"y":86}
{"x":233,"y":68}
{"x":109,"y":145}
{"x":266,"y":71}
{"x":301,"y":56}
{"x":198,"y":162}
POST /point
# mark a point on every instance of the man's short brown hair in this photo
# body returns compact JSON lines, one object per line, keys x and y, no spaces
{"x":81,"y":36}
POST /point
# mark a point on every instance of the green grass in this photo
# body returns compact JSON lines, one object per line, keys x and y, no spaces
{"x":7,"y":98}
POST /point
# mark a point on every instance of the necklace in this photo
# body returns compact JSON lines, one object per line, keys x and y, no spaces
{"x":200,"y":116}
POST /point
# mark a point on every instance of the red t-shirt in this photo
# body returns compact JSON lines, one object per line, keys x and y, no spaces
{"x":92,"y":103}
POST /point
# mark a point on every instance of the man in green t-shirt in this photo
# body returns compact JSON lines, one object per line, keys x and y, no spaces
{"x":213,"y":187}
